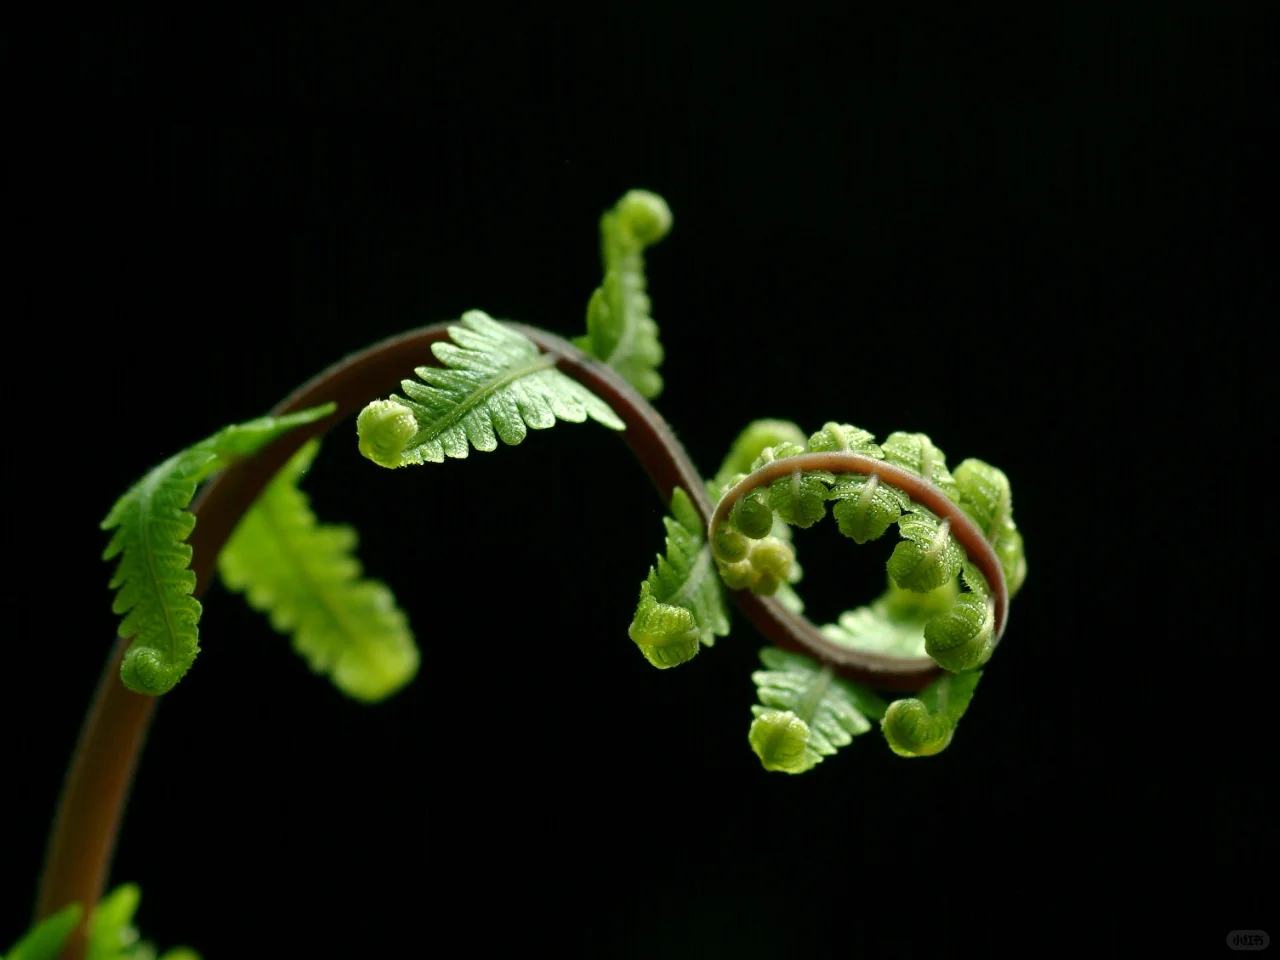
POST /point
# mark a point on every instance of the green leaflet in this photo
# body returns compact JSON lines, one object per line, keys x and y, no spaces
{"x":805,"y":712}
{"x":305,"y":577}
{"x":985,"y":495}
{"x":895,"y":623}
{"x":748,"y":446}
{"x":800,"y":499}
{"x":963,"y":638}
{"x":493,"y":384}
{"x":846,"y":438}
{"x":620,"y":331}
{"x":866,"y":506}
{"x":924,"y":726}
{"x":111,"y":934}
{"x":152,"y":580}
{"x":916,"y":452}
{"x":681,"y":602}
{"x":44,"y":941}
{"x":928,"y":556}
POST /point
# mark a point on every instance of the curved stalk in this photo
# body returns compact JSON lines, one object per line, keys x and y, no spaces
{"x":920,"y":490}
{"x":83,"y":836}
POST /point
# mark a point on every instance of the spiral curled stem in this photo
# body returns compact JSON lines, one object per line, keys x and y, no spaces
{"x":90,"y":808}
{"x":954,"y":520}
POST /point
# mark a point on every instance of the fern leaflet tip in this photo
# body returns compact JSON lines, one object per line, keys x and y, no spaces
{"x":681,"y":601}
{"x":620,"y":331}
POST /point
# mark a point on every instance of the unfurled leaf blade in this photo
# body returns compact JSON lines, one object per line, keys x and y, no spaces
{"x":494,"y":385}
{"x":306,"y":577}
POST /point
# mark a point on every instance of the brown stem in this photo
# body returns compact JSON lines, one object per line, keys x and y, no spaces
{"x":87,"y":821}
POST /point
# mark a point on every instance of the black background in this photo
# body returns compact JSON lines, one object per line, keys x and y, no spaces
{"x":1044,"y":241}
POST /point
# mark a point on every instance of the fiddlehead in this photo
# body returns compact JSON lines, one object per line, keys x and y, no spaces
{"x":948,"y":525}
{"x":924,"y":725}
{"x":151,"y":523}
{"x":681,"y":602}
{"x":620,"y":332}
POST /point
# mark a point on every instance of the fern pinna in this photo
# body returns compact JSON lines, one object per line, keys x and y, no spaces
{"x":957,"y":563}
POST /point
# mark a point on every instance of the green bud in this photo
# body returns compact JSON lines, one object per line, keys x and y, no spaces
{"x":752,"y":515}
{"x":385,"y":428}
{"x":644,"y":215}
{"x":729,"y":545}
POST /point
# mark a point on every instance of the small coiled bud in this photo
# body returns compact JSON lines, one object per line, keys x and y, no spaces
{"x":752,"y":515}
{"x":737,"y":576}
{"x":779,"y":739}
{"x":143,"y":671}
{"x":729,"y":544}
{"x":912,"y":732}
{"x":385,"y":428}
{"x":773,"y":557}
{"x":644,"y":215}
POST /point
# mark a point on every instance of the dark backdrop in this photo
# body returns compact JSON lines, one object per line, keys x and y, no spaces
{"x":1040,"y":240}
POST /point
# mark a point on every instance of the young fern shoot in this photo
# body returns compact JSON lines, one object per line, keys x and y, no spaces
{"x":954,"y":529}
{"x":958,"y":562}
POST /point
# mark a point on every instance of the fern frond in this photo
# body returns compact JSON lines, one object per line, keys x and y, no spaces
{"x":306,"y":578}
{"x":923,"y":726}
{"x":805,"y":712}
{"x":620,"y":331}
{"x":494,"y":383}
{"x":681,"y":602}
{"x":152,"y":580}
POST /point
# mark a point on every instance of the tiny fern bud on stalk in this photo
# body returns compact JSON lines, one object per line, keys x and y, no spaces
{"x":385,"y":428}
{"x":645,"y":216}
{"x":923,"y":726}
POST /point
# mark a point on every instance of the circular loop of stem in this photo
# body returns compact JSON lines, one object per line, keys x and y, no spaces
{"x":879,"y":667}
